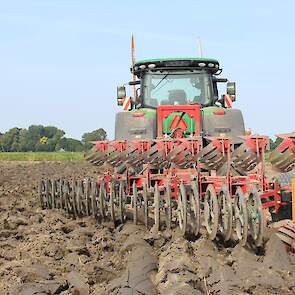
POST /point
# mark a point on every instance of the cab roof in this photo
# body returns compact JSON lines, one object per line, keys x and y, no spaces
{"x":210,"y":64}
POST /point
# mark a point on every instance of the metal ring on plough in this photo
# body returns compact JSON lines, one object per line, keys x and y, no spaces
{"x":194,"y":209}
{"x":226,"y":213}
{"x":211,"y":212}
{"x":256,"y":217}
{"x":167,"y":206}
{"x":182,"y":209}
{"x":241,"y":216}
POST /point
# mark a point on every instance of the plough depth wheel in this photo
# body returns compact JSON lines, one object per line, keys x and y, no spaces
{"x":182,"y":209}
{"x":256,"y":217}
{"x":241,"y":216}
{"x":211,"y":212}
{"x":226,"y":213}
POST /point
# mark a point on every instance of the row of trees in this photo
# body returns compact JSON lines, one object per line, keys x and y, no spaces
{"x":46,"y":138}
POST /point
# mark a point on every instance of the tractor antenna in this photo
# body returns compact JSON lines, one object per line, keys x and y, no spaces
{"x":200,"y":47}
{"x":133,"y":63}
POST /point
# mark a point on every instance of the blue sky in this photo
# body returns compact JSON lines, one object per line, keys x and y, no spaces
{"x":60,"y":61}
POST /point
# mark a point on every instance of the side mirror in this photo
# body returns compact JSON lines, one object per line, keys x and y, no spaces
{"x":121,"y":92}
{"x":231,"y":88}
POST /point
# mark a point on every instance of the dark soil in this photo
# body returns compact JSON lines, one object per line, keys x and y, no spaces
{"x":47,"y":252}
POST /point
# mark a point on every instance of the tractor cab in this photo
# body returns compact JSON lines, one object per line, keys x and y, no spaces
{"x":187,"y":87}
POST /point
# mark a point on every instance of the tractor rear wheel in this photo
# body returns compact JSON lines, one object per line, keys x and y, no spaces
{"x":211,"y":212}
{"x":241,"y":216}
{"x":226,"y":213}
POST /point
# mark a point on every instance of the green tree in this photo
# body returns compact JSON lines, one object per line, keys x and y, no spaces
{"x":70,"y":145}
{"x":96,"y":135}
{"x":9,"y":142}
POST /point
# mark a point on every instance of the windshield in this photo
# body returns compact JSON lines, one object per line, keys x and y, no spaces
{"x":177,"y":88}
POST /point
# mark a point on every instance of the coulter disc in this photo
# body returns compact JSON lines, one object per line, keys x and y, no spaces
{"x":226,"y":213}
{"x":94,"y":197}
{"x":102,"y":200}
{"x":86,"y":188}
{"x":42,"y":193}
{"x":62,"y":195}
{"x":112,"y":201}
{"x":182,"y":209}
{"x":135,"y":202}
{"x":194,"y":209}
{"x":256,"y":217}
{"x":79,"y":197}
{"x":66,"y":195}
{"x":48,"y":191}
{"x":145,"y":204}
{"x":53,"y":193}
{"x":157,"y":207}
{"x":241,"y":216}
{"x":167,"y":206}
{"x":122,"y":200}
{"x":211,"y":212}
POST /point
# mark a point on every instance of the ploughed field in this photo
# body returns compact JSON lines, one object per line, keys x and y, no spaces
{"x":47,"y":252}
